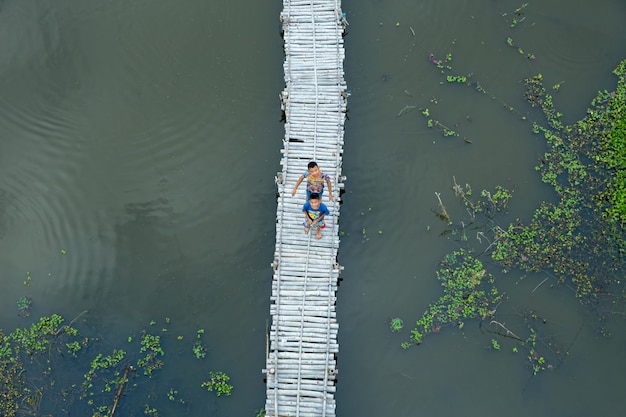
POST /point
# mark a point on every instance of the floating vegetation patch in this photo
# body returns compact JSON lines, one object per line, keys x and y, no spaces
{"x":579,"y":240}
{"x":397,"y":324}
{"x":468,"y":293}
{"x":23,"y":306}
{"x":151,"y":347}
{"x":31,"y":357}
{"x":199,"y":350}
{"x":218,"y":383}
{"x":514,"y":19}
{"x":542,"y":350}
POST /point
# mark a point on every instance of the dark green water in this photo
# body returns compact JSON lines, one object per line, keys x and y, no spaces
{"x":143,"y":137}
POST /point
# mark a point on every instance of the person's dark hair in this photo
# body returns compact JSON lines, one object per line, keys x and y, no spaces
{"x":314,"y":196}
{"x":312,"y":164}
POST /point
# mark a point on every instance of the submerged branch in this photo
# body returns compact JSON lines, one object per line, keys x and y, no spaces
{"x":405,"y":109}
{"x":508,"y":332}
{"x":539,"y":285}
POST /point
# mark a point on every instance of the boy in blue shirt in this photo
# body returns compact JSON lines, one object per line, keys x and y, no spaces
{"x":314,"y":212}
{"x":315,"y":180}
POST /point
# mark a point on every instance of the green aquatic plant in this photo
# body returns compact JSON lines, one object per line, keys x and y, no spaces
{"x":396,"y":324}
{"x":73,"y":347}
{"x":542,"y":351}
{"x":218,"y":382}
{"x":172,"y":395}
{"x":151,"y":346}
{"x":103,"y":374}
{"x":468,"y":293}
{"x":495,"y":345}
{"x":461,"y":79}
{"x":514,"y":19}
{"x":23,"y":305}
{"x":150,"y":411}
{"x":198,"y":348}
{"x":39,"y":337}
{"x":433,"y":123}
{"x":580,"y":237}
{"x":25,"y":356}
{"x":12,"y":380}
{"x":30,"y":358}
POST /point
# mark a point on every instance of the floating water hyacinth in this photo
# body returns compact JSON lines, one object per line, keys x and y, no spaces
{"x":23,"y":305}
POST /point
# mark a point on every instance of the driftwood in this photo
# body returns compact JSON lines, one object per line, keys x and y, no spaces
{"x":119,"y":391}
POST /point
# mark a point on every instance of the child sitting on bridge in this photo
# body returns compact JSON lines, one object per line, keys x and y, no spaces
{"x":314,"y":213}
{"x":314,"y":182}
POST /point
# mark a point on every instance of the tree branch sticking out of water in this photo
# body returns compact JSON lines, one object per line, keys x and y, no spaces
{"x":444,"y":214}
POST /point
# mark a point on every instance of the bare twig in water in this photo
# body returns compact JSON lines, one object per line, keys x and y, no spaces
{"x":405,"y":375}
{"x":444,"y":127}
{"x":406,"y":108}
{"x":71,"y":322}
{"x":479,"y":234}
{"x":77,"y":317}
{"x":458,"y":191}
{"x":539,"y":285}
{"x":508,"y":332}
{"x":496,"y":240}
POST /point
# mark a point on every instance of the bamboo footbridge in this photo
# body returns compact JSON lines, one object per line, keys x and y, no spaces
{"x":301,"y":368}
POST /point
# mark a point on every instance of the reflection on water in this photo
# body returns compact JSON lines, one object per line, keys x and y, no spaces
{"x":142,"y":138}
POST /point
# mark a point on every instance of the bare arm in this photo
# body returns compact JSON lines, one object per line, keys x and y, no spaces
{"x":295,"y":187}
{"x":330,"y":188}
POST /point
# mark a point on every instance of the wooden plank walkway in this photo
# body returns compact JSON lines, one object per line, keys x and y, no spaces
{"x":302,"y":343}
